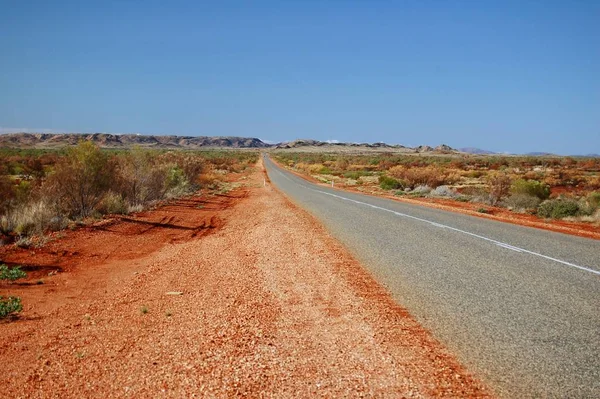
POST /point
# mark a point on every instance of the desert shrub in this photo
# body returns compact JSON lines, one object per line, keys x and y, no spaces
{"x":357,"y":174}
{"x":389,"y":183}
{"x":81,"y":179}
{"x":7,"y":193}
{"x":522,"y":202}
{"x":176,"y":183}
{"x":499,"y":184}
{"x":531,"y":188}
{"x":10,"y":306}
{"x":314,"y":168}
{"x":558,"y":208}
{"x":145,"y":178}
{"x":589,"y":204}
{"x":593,"y":183}
{"x":11,"y":274}
{"x":341,"y":164}
{"x":192,"y":165}
{"x":430,"y":175}
{"x":113,"y":203}
{"x":594,"y":199}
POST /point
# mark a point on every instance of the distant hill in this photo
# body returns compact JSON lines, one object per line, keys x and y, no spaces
{"x":539,"y":154}
{"x":477,"y":151}
{"x":310,"y":144}
{"x":105,"y":140}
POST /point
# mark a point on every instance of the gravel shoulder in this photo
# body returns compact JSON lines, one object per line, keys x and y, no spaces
{"x":267,"y":305}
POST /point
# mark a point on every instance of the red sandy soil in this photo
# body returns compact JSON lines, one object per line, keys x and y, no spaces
{"x":266,"y":305}
{"x":580,"y":229}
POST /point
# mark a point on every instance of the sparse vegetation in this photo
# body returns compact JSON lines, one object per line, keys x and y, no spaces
{"x":552,"y":187}
{"x":389,"y":183}
{"x":532,"y":188}
{"x":11,"y":274}
{"x":500,"y":184}
{"x":558,"y":208}
{"x":522,"y":202}
{"x":43,"y":190}
{"x":9,"y":306}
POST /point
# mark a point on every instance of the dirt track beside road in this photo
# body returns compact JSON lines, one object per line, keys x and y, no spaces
{"x":271,"y":306}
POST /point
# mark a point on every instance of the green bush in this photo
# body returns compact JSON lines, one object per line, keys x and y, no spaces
{"x":11,"y":274}
{"x":558,"y":208}
{"x":81,"y":179}
{"x":10,"y":305}
{"x":531,"y":187}
{"x":389,"y":183}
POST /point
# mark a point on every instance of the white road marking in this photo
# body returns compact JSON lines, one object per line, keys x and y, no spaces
{"x":404,"y":215}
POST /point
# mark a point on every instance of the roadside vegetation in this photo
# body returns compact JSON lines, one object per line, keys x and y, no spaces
{"x":43,"y":190}
{"x":549,"y":187}
{"x":10,"y":306}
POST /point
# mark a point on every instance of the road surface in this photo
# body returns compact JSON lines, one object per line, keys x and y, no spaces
{"x":519,"y":306}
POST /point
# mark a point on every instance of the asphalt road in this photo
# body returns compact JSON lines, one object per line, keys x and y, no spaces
{"x":519,"y":306}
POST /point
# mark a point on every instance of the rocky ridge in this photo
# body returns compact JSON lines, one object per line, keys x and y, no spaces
{"x":108,"y":140}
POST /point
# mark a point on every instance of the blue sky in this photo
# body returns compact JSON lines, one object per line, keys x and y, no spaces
{"x":504,"y":76}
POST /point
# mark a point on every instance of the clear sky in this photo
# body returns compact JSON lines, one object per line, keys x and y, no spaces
{"x":514,"y":76}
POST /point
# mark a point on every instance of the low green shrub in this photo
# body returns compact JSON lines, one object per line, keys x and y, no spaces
{"x":389,"y":183}
{"x":531,"y":187}
{"x":9,"y":306}
{"x":11,"y":274}
{"x":558,"y":208}
{"x":357,"y":174}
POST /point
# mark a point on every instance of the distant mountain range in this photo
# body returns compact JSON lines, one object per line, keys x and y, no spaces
{"x":106,"y":140}
{"x":477,"y":151}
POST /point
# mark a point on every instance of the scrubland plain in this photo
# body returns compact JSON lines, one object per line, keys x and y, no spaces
{"x":556,"y":191}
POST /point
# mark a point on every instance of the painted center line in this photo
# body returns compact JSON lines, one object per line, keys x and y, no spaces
{"x":404,"y":215}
